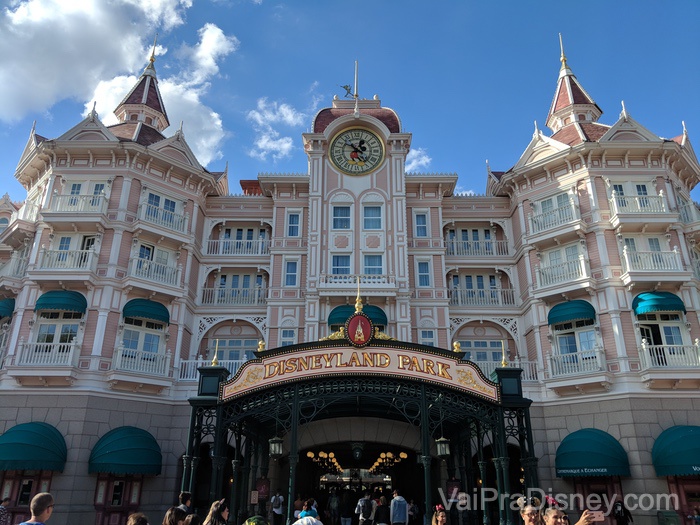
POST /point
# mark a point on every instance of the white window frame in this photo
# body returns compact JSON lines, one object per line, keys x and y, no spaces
{"x":291,"y":275}
{"x":374,"y":267}
{"x":424,"y":279}
{"x":372,"y":223}
{"x":288,"y":227}
{"x":427,"y":336}
{"x":339,"y":222}
{"x":577,"y":329}
{"x":336,"y":267}
{"x":288,"y":336}
{"x":421,"y":230}
{"x":146,"y":329}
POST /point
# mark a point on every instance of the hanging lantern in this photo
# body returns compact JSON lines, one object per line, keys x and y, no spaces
{"x":276,"y":447}
{"x":443,"y":447}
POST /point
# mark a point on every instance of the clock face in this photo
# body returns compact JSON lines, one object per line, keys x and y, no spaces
{"x":356,"y":151}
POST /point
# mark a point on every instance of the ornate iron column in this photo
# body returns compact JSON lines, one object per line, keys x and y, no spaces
{"x":293,"y":455}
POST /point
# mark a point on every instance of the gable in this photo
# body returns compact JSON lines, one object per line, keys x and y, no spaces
{"x":175,"y":154}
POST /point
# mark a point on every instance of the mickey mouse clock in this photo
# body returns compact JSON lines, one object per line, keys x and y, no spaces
{"x":356,"y":151}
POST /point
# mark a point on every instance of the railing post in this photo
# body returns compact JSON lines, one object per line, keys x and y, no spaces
{"x":643,"y":354}
{"x":168,"y":358}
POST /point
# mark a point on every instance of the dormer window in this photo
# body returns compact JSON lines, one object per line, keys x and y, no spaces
{"x":134,"y":116}
{"x":149,"y":121}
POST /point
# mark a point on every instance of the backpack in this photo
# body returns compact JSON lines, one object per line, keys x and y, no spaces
{"x":617,"y":511}
{"x":276,"y":503}
{"x":366,"y":508}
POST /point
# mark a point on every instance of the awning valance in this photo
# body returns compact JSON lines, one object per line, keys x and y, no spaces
{"x":648,"y":302}
{"x":571,"y":311}
{"x":145,"y":309}
{"x":340,"y":314}
{"x":7,"y":307}
{"x":591,"y":452}
{"x":126,"y":450}
{"x":33,"y":446}
{"x":64,"y":300}
{"x":676,"y":451}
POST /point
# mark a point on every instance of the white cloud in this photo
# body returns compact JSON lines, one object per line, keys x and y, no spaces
{"x":265,"y":118}
{"x":213,"y":45}
{"x":59,"y":49}
{"x":417,"y":159}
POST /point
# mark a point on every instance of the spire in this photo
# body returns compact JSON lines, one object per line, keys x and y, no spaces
{"x":571,"y":102}
{"x":144,"y":103}
{"x":356,"y":113}
{"x":358,"y":301}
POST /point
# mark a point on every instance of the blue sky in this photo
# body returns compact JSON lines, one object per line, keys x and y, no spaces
{"x":468,"y":79}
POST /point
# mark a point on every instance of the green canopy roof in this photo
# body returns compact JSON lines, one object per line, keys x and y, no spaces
{"x":7,"y":307}
{"x":32,"y":446}
{"x":145,"y":309}
{"x":64,"y":300}
{"x":571,"y":311}
{"x":340,"y":314}
{"x":648,"y":302}
{"x":126,"y":450}
{"x":591,"y":452}
{"x":676,"y":452}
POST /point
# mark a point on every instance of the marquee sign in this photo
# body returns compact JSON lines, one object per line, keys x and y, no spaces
{"x":378,"y":360}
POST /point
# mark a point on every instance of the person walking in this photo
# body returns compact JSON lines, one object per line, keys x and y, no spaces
{"x":366,"y":508}
{"x":277,"y":503}
{"x":41,"y":508}
{"x":398,"y":509}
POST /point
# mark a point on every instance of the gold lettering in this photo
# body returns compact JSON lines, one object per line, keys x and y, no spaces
{"x":302,"y":364}
{"x":415,"y":366}
{"x":339,"y":360}
{"x":367,"y":359}
{"x":328,"y":358}
{"x":315,"y":362}
{"x":271,"y":370}
{"x":428,"y":366}
{"x":290,"y":365}
{"x":354,"y":360}
{"x":383,"y":360}
{"x":404,"y":361}
{"x":443,"y":370}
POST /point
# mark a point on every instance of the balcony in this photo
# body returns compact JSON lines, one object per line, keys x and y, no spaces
{"x":371,"y":284}
{"x":652,"y":266}
{"x":688,"y":213}
{"x":234,"y":296}
{"x":480,"y":297}
{"x":670,"y":366}
{"x":81,"y":211}
{"x":140,"y":371}
{"x":529,"y":368}
{"x":15,"y":267}
{"x":22,"y":225}
{"x":164,"y":220}
{"x":578,"y":372}
{"x":235,"y":247}
{"x":189,"y":372}
{"x":154,"y":276}
{"x":44,"y":364}
{"x":551,"y":280}
{"x":646,"y":210}
{"x":65,"y":265}
{"x":477,"y":248}
{"x":554,"y":218}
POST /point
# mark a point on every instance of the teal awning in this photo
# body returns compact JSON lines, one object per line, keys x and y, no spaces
{"x":145,"y":309}
{"x":62,"y":300}
{"x":7,"y":307}
{"x":648,"y":302}
{"x":591,"y":452}
{"x":676,"y":452}
{"x":340,"y":314}
{"x":571,"y":311}
{"x":33,"y":446}
{"x":126,"y":450}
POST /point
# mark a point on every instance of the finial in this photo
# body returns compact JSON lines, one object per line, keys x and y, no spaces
{"x":624,"y":115}
{"x":685,"y":131}
{"x":537,"y":130}
{"x":356,"y":114}
{"x":261,"y":345}
{"x":215,"y":361}
{"x":153,"y":52}
{"x":504,"y":361}
{"x":563,"y":56}
{"x":358,"y":301}
{"x":488,"y":166}
{"x":457,"y":346}
{"x":33,"y":126}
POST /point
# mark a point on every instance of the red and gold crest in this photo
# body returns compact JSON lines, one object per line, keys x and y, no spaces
{"x":359,"y":329}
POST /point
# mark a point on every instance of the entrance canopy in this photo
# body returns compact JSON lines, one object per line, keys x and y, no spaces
{"x":340,"y":314}
{"x":126,"y":450}
{"x":33,"y":446}
{"x":676,"y":452}
{"x":591,"y":452}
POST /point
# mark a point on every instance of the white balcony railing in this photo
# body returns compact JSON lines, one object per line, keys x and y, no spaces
{"x":689,"y":213}
{"x":551,"y":219}
{"x":79,"y":204}
{"x":189,"y":372}
{"x":166,"y":219}
{"x":16,"y":266}
{"x":564,"y":272}
{"x":651,"y":261}
{"x":142,"y":362}
{"x":67,"y":260}
{"x":481,"y":297}
{"x":476,"y":248}
{"x":577,"y":363}
{"x":28,"y":212}
{"x":233,"y":247}
{"x":638,"y":203}
{"x":669,"y":356}
{"x":529,"y":368}
{"x":233,"y":296}
{"x":153,"y":271}
{"x":48,"y":354}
